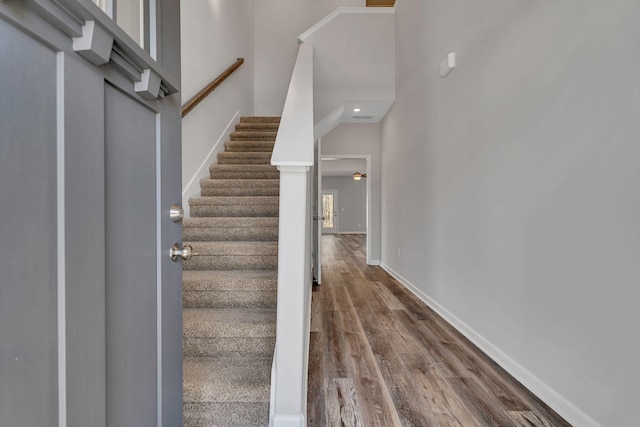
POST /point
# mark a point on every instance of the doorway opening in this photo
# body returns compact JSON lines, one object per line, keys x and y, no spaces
{"x":329,"y":211}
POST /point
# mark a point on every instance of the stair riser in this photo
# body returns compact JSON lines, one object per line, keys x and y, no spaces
{"x":260,"y":119}
{"x":228,"y":346}
{"x":253,"y":136}
{"x":241,"y":161}
{"x":241,"y":281}
{"x":248,"y":147}
{"x":205,"y":414}
{"x":249,"y":155}
{"x":226,"y":234}
{"x":235,"y":211}
{"x":230,"y":299}
{"x":232,"y":262}
{"x":240,"y":191}
{"x":269,"y":127}
{"x":218,"y":174}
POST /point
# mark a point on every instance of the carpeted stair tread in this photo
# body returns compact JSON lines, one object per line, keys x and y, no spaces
{"x":227,"y":414}
{"x":257,"y":126}
{"x":234,"y":248}
{"x":236,"y":289}
{"x":233,"y":183}
{"x":229,"y":222}
{"x":230,"y":286}
{"x":245,"y":158}
{"x":260,"y":119}
{"x":205,"y":322}
{"x":233,"y":256}
{"x":242,"y":171}
{"x":244,"y":210}
{"x":230,"y":228}
{"x":245,"y":135}
{"x":238,"y":280}
{"x":239,"y":187}
{"x":226,"y":379}
{"x":235,"y":200}
{"x":248,"y":146}
{"x":226,"y":299}
{"x":227,"y":332}
{"x":235,"y":206}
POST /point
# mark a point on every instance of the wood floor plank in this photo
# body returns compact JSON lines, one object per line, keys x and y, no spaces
{"x":389,"y":299}
{"x":381,"y":357}
{"x":374,"y":396}
{"x":315,"y":389}
{"x":334,"y":347}
{"x":316,"y":311}
{"x":342,"y":407}
{"x":527,"y":419}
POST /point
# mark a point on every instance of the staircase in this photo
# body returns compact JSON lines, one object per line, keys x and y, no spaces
{"x":229,"y":288}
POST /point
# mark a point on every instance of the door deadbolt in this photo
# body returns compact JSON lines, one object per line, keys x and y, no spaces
{"x":185,"y":253}
{"x":176,"y":213}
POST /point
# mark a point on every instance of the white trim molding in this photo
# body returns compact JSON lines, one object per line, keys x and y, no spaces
{"x":97,"y":38}
{"x":193,"y":186}
{"x":342,"y":11}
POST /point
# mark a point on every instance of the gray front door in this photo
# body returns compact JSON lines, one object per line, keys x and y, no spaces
{"x":90,"y":303}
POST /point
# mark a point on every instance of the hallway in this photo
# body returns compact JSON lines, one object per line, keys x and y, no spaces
{"x":380,"y":357}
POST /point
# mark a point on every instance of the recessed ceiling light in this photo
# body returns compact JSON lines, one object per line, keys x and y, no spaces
{"x":356,"y":110}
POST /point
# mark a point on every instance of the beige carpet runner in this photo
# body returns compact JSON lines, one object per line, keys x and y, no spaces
{"x":229,"y":289}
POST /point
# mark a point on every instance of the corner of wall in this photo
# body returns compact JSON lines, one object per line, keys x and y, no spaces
{"x":192,"y":188}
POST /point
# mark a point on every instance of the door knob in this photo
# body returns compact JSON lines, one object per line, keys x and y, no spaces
{"x":185,"y":253}
{"x":176,"y":213}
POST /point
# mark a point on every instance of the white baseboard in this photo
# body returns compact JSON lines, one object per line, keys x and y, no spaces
{"x":289,"y":421}
{"x":373,"y":262}
{"x":542,"y":390}
{"x":192,"y":189}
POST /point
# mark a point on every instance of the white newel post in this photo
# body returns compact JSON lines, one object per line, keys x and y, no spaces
{"x":291,"y":353}
{"x":293,"y":155}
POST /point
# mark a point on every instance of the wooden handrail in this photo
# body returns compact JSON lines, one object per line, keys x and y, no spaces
{"x":197,"y":99}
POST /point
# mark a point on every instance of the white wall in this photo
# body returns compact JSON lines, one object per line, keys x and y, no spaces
{"x":512,"y":188}
{"x":353,"y":61}
{"x":356,"y":140}
{"x":214,"y":34}
{"x":352,"y":202}
{"x":278,"y":23}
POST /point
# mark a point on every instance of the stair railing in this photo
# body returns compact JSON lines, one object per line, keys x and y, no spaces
{"x":200,"y":96}
{"x":293,"y":154}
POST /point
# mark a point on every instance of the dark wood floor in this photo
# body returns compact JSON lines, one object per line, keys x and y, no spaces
{"x":380,"y":357}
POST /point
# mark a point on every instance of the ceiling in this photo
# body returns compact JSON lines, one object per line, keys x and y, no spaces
{"x":369,"y":111}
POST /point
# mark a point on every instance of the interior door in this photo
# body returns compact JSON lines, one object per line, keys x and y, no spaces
{"x":329,"y":211}
{"x":90,"y":303}
{"x":316,"y":197}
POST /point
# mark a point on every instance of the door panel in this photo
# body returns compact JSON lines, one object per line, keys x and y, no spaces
{"x":84,"y":216}
{"x":28,"y":236}
{"x":90,"y":304}
{"x":130,"y":175}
